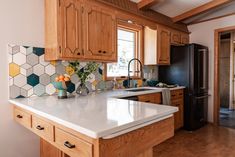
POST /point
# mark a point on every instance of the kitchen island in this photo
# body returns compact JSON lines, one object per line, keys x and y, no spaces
{"x":98,"y":125}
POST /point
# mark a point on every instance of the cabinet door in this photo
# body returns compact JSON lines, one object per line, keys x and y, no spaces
{"x":100,"y":33}
{"x":71,"y":29}
{"x":178,"y":116}
{"x":163,"y":54}
{"x":175,"y":37}
{"x":184,"y":38}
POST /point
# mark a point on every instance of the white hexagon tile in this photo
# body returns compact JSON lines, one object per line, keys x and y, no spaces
{"x":30,"y":75}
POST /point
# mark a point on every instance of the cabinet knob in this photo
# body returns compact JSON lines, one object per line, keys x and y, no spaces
{"x":69,"y":145}
{"x":78,"y":53}
{"x":100,"y":51}
{"x":19,"y":116}
{"x":104,"y":52}
{"x":40,"y":128}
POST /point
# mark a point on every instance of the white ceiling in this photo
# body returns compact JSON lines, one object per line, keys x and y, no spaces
{"x":173,"y":8}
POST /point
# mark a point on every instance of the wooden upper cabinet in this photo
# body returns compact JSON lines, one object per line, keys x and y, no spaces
{"x":157,"y":46}
{"x":163,"y":53}
{"x":100,"y":33}
{"x":179,"y":38}
{"x":185,"y":38}
{"x":175,"y":37}
{"x":71,"y":26}
{"x":77,"y":29}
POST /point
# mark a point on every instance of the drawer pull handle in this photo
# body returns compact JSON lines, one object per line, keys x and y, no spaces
{"x":40,"y":128}
{"x":147,"y":101}
{"x":173,"y":95}
{"x":69,"y":145}
{"x":19,"y":116}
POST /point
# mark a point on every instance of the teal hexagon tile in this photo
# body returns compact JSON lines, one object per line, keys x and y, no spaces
{"x":20,"y":80}
{"x":33,"y":80}
{"x":42,"y":61}
{"x":38,"y":51}
{"x":50,"y":89}
{"x":60,"y":69}
{"x":39,"y":90}
{"x":32,"y":59}
{"x":20,"y":96}
{"x":71,"y":88}
{"x":19,"y":58}
{"x":50,"y":69}
{"x":14,"y":91}
{"x":38,"y":69}
{"x":15,"y":49}
{"x":26,"y":91}
{"x":100,"y":71}
{"x":44,"y":79}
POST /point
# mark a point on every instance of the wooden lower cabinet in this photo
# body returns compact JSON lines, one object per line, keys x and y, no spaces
{"x":59,"y":141}
{"x":177,"y":99}
{"x":48,"y":150}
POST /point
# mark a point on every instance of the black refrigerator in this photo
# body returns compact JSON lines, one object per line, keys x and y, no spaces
{"x":189,"y":68}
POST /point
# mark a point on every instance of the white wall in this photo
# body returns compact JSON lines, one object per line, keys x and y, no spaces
{"x":21,"y":22}
{"x":203,"y":33}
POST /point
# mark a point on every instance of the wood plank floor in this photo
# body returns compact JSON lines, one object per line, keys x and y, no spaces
{"x":209,"y":141}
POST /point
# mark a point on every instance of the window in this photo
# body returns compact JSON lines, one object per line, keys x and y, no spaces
{"x":128,"y":40}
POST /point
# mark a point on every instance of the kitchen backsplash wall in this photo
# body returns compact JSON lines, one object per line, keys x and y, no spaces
{"x":30,"y":75}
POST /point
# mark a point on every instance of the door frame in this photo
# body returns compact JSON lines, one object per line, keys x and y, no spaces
{"x":216,"y":72}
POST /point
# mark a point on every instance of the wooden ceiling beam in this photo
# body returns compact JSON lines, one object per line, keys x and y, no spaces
{"x":146,"y":4}
{"x":201,"y":9}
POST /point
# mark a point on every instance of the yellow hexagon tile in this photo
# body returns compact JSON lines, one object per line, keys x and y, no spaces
{"x":14,"y":69}
{"x":69,"y":70}
{"x":53,"y":63}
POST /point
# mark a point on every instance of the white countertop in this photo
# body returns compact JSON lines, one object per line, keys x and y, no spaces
{"x":99,"y":114}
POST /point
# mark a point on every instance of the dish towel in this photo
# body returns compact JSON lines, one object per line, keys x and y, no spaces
{"x":166,"y":96}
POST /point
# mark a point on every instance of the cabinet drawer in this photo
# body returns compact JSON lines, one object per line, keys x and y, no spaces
{"x":177,"y":94}
{"x":22,"y":117}
{"x":42,"y":128}
{"x":151,"y":98}
{"x":72,"y":145}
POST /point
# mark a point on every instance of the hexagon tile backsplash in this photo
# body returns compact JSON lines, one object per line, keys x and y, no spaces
{"x":30,"y":75}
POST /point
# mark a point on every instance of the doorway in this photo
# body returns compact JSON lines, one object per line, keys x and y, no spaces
{"x":224,"y":113}
{"x":226,"y":83}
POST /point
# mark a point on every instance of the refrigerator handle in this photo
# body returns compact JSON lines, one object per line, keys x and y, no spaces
{"x":201,"y":97}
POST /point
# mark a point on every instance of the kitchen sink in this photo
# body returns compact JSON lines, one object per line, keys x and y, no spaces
{"x":139,"y":89}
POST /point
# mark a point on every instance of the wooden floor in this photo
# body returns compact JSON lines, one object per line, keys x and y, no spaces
{"x":209,"y":141}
